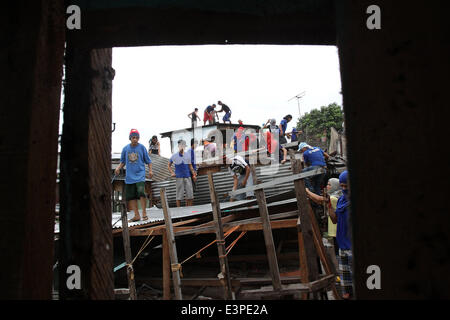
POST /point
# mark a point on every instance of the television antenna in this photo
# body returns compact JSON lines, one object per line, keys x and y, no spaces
{"x":298,"y":97}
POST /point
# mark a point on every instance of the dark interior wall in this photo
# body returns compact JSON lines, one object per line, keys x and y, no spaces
{"x":31,"y":58}
{"x":191,"y":22}
{"x":394,"y":84}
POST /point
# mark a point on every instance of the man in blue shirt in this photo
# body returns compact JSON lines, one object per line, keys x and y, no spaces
{"x":183,"y":173}
{"x":343,"y":236}
{"x":314,"y":158}
{"x":209,"y":114}
{"x":293,"y":134}
{"x":283,"y":127}
{"x":134,"y":156}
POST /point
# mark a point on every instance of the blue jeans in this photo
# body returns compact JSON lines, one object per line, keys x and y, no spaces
{"x":314,"y":183}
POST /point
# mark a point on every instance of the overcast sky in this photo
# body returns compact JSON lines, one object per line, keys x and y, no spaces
{"x":156,"y":87}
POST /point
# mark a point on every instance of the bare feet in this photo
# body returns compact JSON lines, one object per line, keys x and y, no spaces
{"x":135,"y":219}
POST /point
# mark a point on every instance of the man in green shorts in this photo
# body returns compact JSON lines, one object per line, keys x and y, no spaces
{"x":135,"y":157}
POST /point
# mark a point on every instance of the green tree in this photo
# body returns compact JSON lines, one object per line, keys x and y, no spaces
{"x":316,"y":122}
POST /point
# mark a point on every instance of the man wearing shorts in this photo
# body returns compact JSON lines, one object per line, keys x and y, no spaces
{"x":209,"y":114}
{"x":183,"y":173}
{"x":227,"y":110}
{"x":135,"y":157}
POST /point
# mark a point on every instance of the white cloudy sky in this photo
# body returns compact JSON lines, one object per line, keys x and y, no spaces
{"x":156,"y":87}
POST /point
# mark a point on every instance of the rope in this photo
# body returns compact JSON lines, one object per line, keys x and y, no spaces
{"x":144,"y":245}
{"x":226,"y":234}
{"x":228,"y":249}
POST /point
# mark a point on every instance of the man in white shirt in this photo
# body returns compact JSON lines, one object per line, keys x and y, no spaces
{"x":242,"y":177}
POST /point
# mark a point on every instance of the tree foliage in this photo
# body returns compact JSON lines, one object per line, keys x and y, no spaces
{"x":316,"y":122}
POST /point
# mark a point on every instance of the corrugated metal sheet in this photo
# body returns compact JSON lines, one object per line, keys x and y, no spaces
{"x":223,"y":183}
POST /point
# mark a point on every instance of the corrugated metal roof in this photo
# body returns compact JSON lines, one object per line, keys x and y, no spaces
{"x":223,"y":183}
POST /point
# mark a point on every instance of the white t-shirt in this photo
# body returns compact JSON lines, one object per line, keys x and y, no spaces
{"x":237,"y":160}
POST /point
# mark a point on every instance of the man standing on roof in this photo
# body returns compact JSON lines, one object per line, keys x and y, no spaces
{"x":183,"y":173}
{"x":283,"y":127}
{"x":135,"y":156}
{"x":194,"y":116}
{"x":242,"y":177}
{"x":227,"y":111}
{"x":209,"y":114}
{"x":314,"y":158}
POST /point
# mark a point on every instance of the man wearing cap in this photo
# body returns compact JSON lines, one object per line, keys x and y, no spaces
{"x":343,"y":236}
{"x":134,"y":156}
{"x":183,"y":173}
{"x":314,"y":158}
{"x":242,"y":177}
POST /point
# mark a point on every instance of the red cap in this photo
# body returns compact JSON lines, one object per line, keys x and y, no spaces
{"x":133,"y":132}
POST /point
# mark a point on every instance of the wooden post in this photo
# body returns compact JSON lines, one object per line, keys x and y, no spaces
{"x":228,"y":294}
{"x":31,"y":64}
{"x":127,"y":250}
{"x":175,"y":266}
{"x":166,"y":266}
{"x":306,"y":211}
{"x":302,"y":257}
{"x":305,"y":220}
{"x":267,"y":231}
{"x":85,"y":225}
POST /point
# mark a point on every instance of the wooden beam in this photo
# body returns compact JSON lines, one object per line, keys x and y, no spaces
{"x":224,"y":270}
{"x":159,"y":229}
{"x":269,"y":293}
{"x":209,"y":229}
{"x":31,"y":64}
{"x":302,"y":258}
{"x":166,"y":267}
{"x":176,"y":267}
{"x":214,"y":282}
{"x":127,"y":250}
{"x":305,"y":220}
{"x":267,"y":231}
{"x":85,"y":225}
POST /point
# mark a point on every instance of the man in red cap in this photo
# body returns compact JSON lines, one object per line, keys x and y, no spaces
{"x":135,"y":157}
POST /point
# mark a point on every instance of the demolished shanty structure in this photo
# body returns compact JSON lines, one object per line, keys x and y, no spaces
{"x":276,"y":239}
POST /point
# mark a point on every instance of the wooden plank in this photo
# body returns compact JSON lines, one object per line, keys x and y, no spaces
{"x":214,"y":282}
{"x":305,"y":219}
{"x":121,"y":291}
{"x":172,"y":246}
{"x":166,"y":267}
{"x":269,"y":293}
{"x":302,"y":258}
{"x":159,"y":230}
{"x":279,"y":224}
{"x":267,"y":231}
{"x":277,"y":181}
{"x":127,"y":250}
{"x":210,"y":229}
{"x":228,"y":294}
